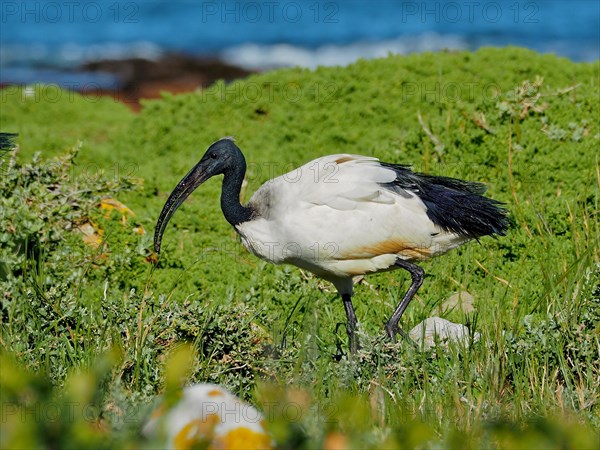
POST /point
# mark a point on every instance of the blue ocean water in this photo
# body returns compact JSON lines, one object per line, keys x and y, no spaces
{"x":38,"y":37}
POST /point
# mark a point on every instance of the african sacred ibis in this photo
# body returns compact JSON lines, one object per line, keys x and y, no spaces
{"x":345,"y":215}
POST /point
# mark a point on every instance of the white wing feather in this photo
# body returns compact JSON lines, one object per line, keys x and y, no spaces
{"x":332,"y":216}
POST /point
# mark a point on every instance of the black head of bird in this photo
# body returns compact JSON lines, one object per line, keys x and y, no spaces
{"x":345,"y":215}
{"x":222,"y":158}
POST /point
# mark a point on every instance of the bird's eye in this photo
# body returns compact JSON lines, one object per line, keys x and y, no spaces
{"x":213,"y":156}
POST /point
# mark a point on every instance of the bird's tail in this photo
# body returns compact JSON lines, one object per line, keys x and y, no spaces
{"x":463,"y":211}
{"x":455,"y":205}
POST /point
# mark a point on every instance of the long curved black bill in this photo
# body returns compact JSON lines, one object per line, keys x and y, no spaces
{"x":184,"y":188}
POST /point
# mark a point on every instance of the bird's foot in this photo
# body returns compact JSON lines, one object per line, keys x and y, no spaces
{"x":392,"y":331}
{"x":353,"y":341}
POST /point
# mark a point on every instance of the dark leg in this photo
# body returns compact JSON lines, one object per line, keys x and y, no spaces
{"x":351,"y":324}
{"x":417,"y":274}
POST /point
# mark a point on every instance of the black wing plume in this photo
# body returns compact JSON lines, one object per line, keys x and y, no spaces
{"x":452,"y":204}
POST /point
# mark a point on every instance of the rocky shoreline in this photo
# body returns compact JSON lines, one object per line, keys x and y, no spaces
{"x":136,"y":78}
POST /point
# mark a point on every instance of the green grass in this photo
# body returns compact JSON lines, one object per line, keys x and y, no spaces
{"x":94,"y":326}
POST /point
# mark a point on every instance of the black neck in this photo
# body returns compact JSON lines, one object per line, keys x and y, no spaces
{"x":233,"y":210}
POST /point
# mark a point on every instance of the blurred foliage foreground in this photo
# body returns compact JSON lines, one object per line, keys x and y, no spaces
{"x":90,"y":318}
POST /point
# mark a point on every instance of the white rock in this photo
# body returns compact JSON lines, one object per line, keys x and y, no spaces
{"x":424,"y":334}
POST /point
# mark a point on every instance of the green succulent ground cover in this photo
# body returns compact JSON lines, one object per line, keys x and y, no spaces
{"x":87,"y":330}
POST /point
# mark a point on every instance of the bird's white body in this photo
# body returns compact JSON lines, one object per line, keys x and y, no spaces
{"x":334,"y":218}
